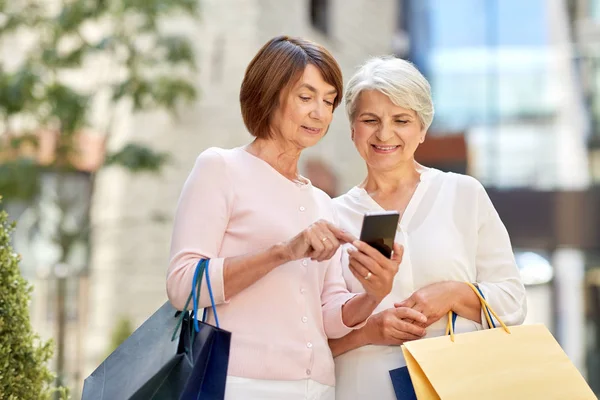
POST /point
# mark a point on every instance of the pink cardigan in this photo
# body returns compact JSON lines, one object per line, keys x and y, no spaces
{"x":234,"y":203}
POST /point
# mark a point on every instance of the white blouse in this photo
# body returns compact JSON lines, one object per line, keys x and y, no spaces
{"x":450,"y":232}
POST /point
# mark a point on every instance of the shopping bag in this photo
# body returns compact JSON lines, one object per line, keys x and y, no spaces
{"x":171,"y":356}
{"x":523,"y":362}
{"x":401,"y":382}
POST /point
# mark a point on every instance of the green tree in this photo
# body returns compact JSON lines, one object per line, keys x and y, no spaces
{"x":24,"y":373}
{"x":45,"y":86}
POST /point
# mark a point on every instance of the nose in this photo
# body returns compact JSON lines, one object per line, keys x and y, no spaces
{"x":319,"y":110}
{"x":385,"y":133}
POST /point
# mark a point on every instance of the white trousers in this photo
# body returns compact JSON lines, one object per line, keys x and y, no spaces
{"x":238,"y":388}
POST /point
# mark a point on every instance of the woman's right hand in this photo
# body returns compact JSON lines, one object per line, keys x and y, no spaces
{"x":394,"y":326}
{"x":319,"y":242}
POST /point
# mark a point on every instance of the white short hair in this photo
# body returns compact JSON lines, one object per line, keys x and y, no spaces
{"x":399,"y":80}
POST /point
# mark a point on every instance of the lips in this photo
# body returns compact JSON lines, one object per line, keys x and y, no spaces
{"x":384,"y":149}
{"x":314,"y":131}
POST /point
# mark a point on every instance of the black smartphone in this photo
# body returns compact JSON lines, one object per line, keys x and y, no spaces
{"x":379,"y":230}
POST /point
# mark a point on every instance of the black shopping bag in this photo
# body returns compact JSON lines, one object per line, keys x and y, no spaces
{"x":166,"y":358}
{"x":402,"y":383}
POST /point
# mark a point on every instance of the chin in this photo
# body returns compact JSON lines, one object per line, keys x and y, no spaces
{"x":310,"y":141}
{"x":384,"y":165}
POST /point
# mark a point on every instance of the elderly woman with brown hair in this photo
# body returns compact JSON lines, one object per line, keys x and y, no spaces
{"x":449,"y":228}
{"x":275,"y":262}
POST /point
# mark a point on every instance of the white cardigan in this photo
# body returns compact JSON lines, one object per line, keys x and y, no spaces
{"x":450,"y":232}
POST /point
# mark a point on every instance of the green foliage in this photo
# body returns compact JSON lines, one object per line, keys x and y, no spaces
{"x":137,"y":158}
{"x":122,"y":330}
{"x":24,"y":373}
{"x":45,"y":86}
{"x":153,"y":70}
{"x":20,"y":178}
{"x":17,"y":89}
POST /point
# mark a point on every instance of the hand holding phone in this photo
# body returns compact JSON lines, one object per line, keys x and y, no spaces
{"x":379,"y":230}
{"x":376,"y":272}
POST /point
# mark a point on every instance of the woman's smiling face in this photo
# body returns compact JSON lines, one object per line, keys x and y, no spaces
{"x":385,"y":134}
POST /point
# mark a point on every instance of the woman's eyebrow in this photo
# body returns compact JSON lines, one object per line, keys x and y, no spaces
{"x":312,"y":89}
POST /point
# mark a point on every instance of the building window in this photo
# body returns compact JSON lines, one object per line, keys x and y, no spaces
{"x":319,"y":15}
{"x":491,"y":66}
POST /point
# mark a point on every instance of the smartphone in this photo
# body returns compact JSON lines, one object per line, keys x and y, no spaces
{"x":379,"y":230}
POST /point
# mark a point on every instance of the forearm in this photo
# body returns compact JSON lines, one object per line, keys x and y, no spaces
{"x":358,"y":309}
{"x":351,"y":341}
{"x":242,"y":271}
{"x":466,"y":304}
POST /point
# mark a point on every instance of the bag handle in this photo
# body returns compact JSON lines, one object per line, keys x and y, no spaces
{"x":201,"y":268}
{"x":196,"y":283}
{"x":484,"y":304}
{"x":488,"y":315}
{"x":455,"y":316}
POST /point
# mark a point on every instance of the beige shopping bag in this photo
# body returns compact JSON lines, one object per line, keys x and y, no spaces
{"x":520,"y":362}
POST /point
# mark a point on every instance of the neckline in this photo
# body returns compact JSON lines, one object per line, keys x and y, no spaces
{"x":413,"y":203}
{"x":298,"y":184}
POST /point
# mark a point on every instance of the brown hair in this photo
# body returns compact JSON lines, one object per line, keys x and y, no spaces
{"x":277,"y":64}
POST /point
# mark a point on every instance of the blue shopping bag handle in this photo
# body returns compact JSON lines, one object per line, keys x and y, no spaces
{"x":201,"y":268}
{"x":487,"y":310}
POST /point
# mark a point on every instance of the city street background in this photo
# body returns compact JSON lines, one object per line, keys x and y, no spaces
{"x":516,"y":89}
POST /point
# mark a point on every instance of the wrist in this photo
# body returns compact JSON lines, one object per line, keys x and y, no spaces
{"x":363,"y":337}
{"x":373,"y":300}
{"x":460,"y":291}
{"x":282,"y":253}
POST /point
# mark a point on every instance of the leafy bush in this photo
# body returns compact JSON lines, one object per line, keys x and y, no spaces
{"x":24,"y":373}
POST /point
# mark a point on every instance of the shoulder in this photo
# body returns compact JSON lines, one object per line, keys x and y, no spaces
{"x":217,"y":161}
{"x":213,"y":165}
{"x":461,"y":194}
{"x":466,"y":181}
{"x":322,"y":198}
{"x":215,"y":155}
{"x":472,"y":195}
{"x":349,"y":200}
{"x":345,"y":201}
{"x":463,"y":184}
{"x":350,"y":209}
{"x":320,"y":195}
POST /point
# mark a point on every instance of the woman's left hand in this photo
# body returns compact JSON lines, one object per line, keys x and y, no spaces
{"x":434,"y":301}
{"x":374,"y":271}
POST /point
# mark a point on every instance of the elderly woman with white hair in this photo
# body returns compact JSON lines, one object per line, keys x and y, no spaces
{"x":449,"y":228}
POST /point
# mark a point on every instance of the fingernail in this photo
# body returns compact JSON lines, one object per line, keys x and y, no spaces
{"x":423,"y":318}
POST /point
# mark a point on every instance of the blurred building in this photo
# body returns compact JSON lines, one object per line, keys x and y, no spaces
{"x":503,"y":73}
{"x":521,"y":81}
{"x":585,"y":31}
